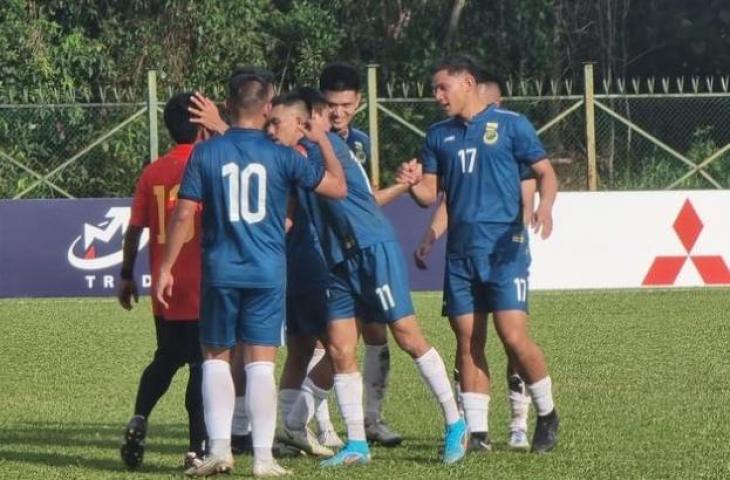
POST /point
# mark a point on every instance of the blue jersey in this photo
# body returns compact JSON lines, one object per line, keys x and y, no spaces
{"x":480,"y":164}
{"x":359,"y":143}
{"x":243,"y":179}
{"x":345,"y":226}
{"x":306,"y":269}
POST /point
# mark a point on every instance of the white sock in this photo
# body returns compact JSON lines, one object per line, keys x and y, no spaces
{"x":348,"y":387}
{"x":241,"y":423}
{"x":519,"y":403}
{"x":542,"y":396}
{"x":287,"y":397}
{"x":261,"y":407}
{"x":322,"y":415}
{"x":433,"y":372}
{"x":322,"y":410}
{"x":476,"y":410}
{"x":310,"y":396}
{"x":218,"y":401}
{"x":375,"y":372}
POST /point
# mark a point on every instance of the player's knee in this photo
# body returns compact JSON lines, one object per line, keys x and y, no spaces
{"x":342,"y":356}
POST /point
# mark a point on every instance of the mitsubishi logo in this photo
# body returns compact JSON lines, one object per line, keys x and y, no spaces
{"x":665,"y":269}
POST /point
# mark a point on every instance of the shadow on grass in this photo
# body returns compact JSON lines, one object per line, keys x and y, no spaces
{"x":63,"y":460}
{"x":37,"y":434}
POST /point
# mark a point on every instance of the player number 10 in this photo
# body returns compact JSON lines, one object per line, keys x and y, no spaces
{"x":521,"y":287}
{"x":238,"y":188}
{"x":386,"y":297}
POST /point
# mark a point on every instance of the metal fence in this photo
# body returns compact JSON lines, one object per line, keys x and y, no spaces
{"x":621,"y":135}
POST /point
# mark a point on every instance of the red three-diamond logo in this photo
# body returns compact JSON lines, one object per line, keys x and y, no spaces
{"x":665,"y":270}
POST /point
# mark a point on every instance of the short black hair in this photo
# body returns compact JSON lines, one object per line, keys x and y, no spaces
{"x":487,"y":76}
{"x":292,"y":99}
{"x":253,"y":70}
{"x":460,"y":63}
{"x":177,"y":118}
{"x":339,"y":77}
{"x":248,"y":89}
{"x":315,"y":100}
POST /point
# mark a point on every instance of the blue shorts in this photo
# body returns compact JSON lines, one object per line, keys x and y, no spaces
{"x":251,"y":315}
{"x":490,"y":283}
{"x":372,"y":285}
{"x":306,"y":313}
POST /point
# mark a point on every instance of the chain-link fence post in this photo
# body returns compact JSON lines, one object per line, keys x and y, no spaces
{"x":152,"y":113}
{"x":591,"y":171}
{"x":373,"y":126}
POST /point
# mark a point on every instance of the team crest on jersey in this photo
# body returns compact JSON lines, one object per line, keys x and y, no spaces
{"x":359,"y":150}
{"x":490,"y":133}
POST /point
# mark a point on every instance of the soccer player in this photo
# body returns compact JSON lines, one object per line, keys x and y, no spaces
{"x":302,"y":389}
{"x":368,"y":279}
{"x":177,"y":327}
{"x":340,"y":83}
{"x":474,"y":156}
{"x":242,"y":180}
{"x":477,"y":418}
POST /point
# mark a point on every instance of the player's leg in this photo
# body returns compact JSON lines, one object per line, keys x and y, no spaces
{"x":260,"y":329}
{"x":153,"y":384}
{"x":464,"y":304}
{"x":519,"y":402}
{"x":189,"y":345}
{"x":301,"y":392}
{"x":327,"y":433}
{"x":219,"y":312}
{"x":375,"y":375}
{"x":241,"y":428}
{"x":342,"y":338}
{"x":509,"y":302}
{"x":385,"y":295}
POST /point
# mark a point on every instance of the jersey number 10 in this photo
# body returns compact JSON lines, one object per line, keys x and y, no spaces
{"x":239,"y":206}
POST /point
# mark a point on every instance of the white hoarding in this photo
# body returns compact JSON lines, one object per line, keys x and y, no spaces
{"x":635,"y":239}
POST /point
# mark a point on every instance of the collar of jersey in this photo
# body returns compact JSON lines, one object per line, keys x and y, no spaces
{"x":181,"y":150}
{"x":479,"y":117}
{"x":245,"y":130}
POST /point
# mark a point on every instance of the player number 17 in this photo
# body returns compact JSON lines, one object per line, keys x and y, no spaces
{"x":467,"y":157}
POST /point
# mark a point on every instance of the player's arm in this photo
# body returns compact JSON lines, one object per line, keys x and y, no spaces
{"x":206,"y":113}
{"x":127,"y":285}
{"x":177,"y":232}
{"x":386,"y":195}
{"x":547,"y":182}
{"x":332,"y":184}
{"x":425,"y":192}
{"x":528,"y":187}
{"x":437,"y":227}
{"x":290,"y":209}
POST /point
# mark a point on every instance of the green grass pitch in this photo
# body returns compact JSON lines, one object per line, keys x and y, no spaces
{"x":641,"y":383}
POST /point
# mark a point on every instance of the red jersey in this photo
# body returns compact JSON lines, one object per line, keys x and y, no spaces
{"x":154,"y":201}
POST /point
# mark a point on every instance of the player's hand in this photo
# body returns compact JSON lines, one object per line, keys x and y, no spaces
{"x":164,"y":287}
{"x":542,"y":221}
{"x":409,"y":173}
{"x":204,"y":112}
{"x":315,"y":129}
{"x":423,"y":249}
{"x":127,"y":291}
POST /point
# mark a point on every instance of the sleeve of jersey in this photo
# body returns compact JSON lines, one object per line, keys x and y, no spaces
{"x":307,"y":172}
{"x":140,"y":203}
{"x":191,"y":187}
{"x":428,"y":154}
{"x":526,"y":145}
